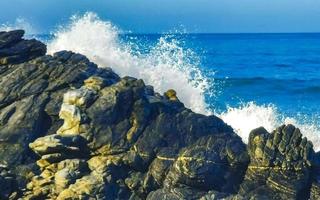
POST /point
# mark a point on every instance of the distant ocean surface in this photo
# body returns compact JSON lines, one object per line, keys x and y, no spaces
{"x":282,"y":69}
{"x":249,"y":80}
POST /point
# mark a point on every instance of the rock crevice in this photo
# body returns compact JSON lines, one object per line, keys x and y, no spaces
{"x":71,"y":130}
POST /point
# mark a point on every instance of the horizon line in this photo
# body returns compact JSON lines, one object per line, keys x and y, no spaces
{"x":222,"y":33}
{"x":196,"y":33}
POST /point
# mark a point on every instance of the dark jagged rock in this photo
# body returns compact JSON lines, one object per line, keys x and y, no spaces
{"x":30,"y":100}
{"x":8,"y":184}
{"x":137,"y":144}
{"x":280,"y":165}
{"x":315,"y":191}
{"x":14,"y":49}
{"x":315,"y":187}
{"x":94,"y":135}
{"x":31,"y":95}
{"x":10,"y":38}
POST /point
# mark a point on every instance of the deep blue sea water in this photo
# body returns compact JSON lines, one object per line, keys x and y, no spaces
{"x":281,"y":69}
{"x":278,"y":69}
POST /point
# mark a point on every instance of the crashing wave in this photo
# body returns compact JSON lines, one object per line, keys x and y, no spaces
{"x":167,"y":65}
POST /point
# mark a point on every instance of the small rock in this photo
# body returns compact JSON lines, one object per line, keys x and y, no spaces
{"x":171,"y":95}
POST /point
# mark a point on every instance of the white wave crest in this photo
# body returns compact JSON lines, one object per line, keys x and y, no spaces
{"x":166,"y":66}
{"x":249,"y":116}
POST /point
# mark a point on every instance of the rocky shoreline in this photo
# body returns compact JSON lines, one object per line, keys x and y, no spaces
{"x":71,"y":130}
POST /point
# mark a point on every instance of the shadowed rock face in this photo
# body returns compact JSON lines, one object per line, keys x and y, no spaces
{"x":14,"y":49}
{"x":70,"y":130}
{"x":133,"y":141}
{"x":280,"y":164}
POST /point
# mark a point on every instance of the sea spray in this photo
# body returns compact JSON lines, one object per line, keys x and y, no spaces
{"x":309,"y":128}
{"x":19,"y":23}
{"x":249,"y":116}
{"x":167,"y":65}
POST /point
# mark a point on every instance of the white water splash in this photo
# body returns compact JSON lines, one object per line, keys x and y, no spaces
{"x":309,"y":129}
{"x":250,"y":116}
{"x":20,"y":23}
{"x":166,"y":66}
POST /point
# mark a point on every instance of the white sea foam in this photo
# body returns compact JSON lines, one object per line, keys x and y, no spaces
{"x":309,"y":128}
{"x":167,"y":65}
{"x":249,"y":116}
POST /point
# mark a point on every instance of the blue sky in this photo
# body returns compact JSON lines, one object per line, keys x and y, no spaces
{"x":150,"y":16}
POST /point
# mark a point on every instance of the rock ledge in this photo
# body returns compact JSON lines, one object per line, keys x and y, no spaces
{"x":71,"y":130}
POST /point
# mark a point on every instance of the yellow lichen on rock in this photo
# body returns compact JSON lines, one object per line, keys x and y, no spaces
{"x":100,"y":163}
{"x":133,"y":129}
{"x":94,"y":83}
{"x":73,"y":102}
{"x":42,"y":163}
{"x":72,"y":118}
{"x":86,"y":186}
{"x":258,"y":153}
{"x":74,"y":97}
{"x":171,"y":95}
{"x":4,"y":61}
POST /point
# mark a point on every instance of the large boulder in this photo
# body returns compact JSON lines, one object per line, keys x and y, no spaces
{"x":14,"y":49}
{"x":116,"y":138}
{"x":281,"y":165}
{"x":71,"y":130}
{"x":135,"y":142}
{"x":31,"y":95}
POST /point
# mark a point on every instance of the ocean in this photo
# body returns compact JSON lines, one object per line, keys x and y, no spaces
{"x":249,"y":80}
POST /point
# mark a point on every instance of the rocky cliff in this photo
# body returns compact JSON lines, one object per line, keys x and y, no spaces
{"x":71,"y":130}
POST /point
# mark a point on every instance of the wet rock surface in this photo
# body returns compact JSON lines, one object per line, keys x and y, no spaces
{"x":70,"y":130}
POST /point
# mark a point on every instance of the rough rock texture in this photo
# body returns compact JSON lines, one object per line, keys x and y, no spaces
{"x":131,"y":142}
{"x":8,"y":184}
{"x":14,"y":49}
{"x":69,"y":130}
{"x":31,"y":95}
{"x":280,"y":165}
{"x":315,"y":187}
